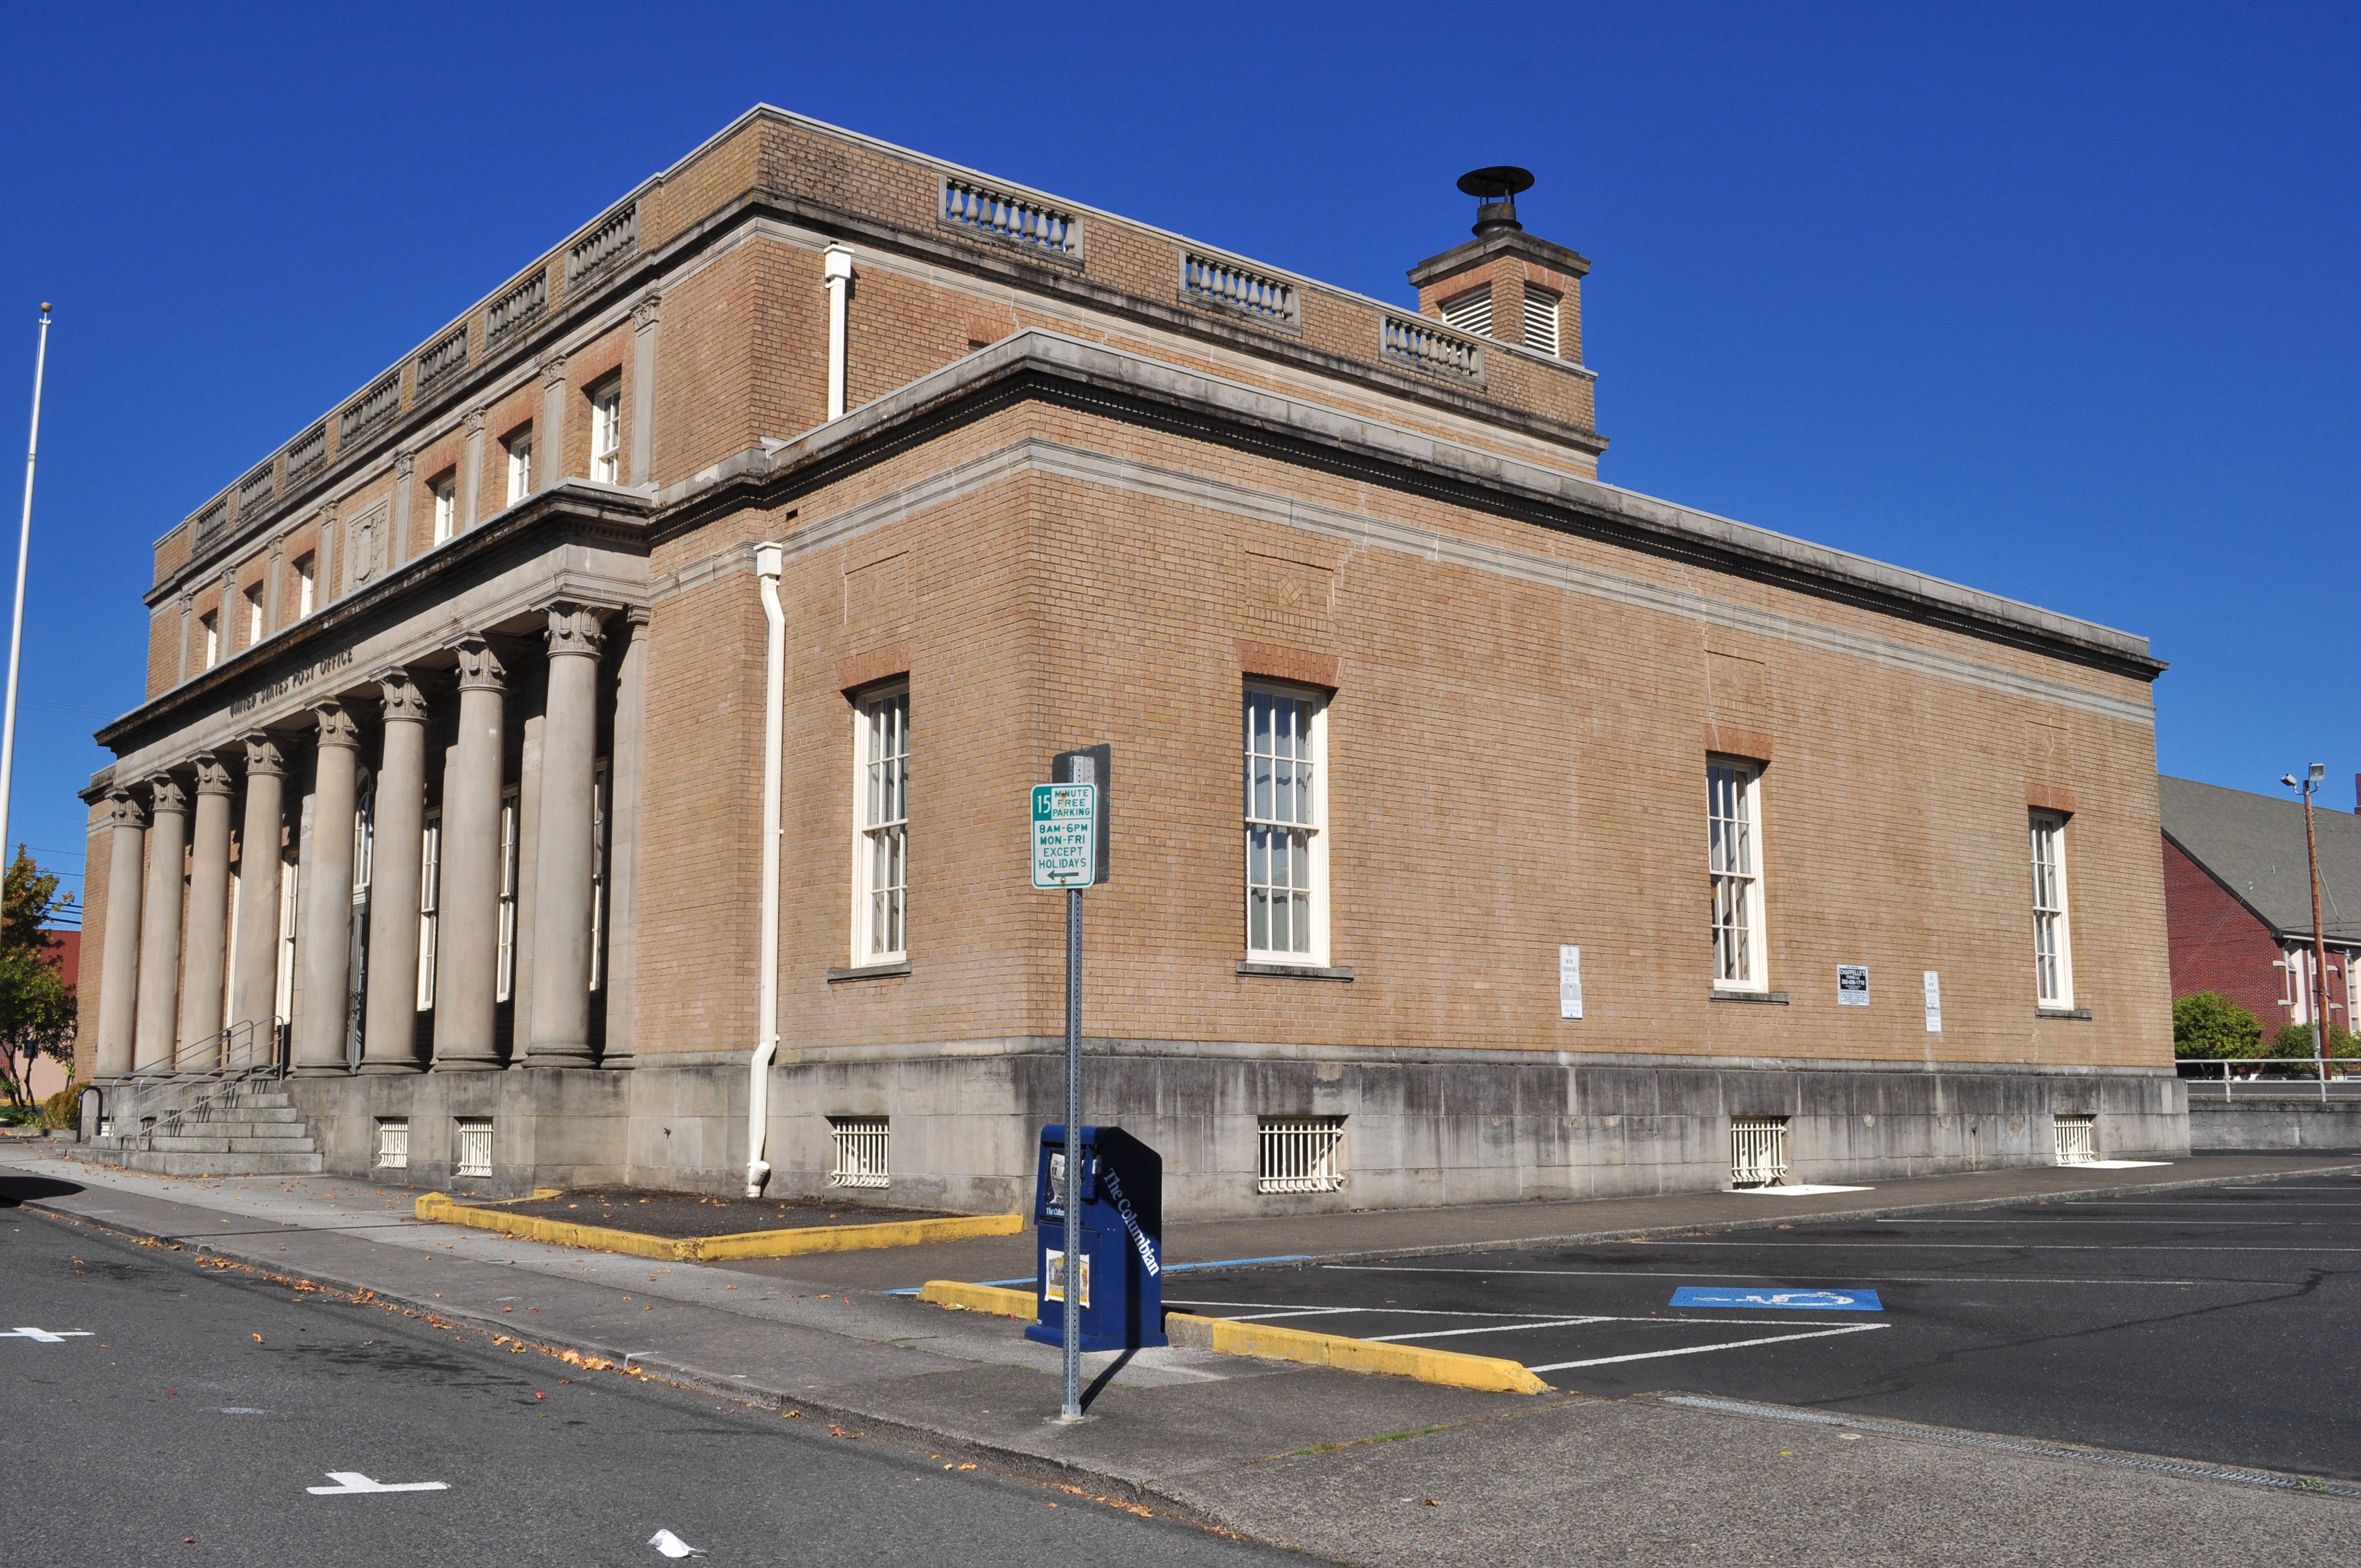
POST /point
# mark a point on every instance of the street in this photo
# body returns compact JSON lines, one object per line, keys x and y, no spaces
{"x":162,"y":1411}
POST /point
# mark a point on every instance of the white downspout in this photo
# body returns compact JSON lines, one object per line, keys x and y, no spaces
{"x":767,"y":558}
{"x":836,"y":270}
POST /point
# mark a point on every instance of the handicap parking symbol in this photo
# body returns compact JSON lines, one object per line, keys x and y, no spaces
{"x":1775,"y":1297}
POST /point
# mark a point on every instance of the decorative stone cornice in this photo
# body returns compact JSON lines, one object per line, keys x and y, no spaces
{"x":575,"y":628}
{"x":404,"y":702}
{"x":123,"y":810}
{"x":263,"y":757}
{"x":480,"y":664}
{"x":336,"y":725}
{"x":212,"y":777}
{"x":165,"y":795}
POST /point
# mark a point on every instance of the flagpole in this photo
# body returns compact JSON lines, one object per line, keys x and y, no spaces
{"x":17,"y":624}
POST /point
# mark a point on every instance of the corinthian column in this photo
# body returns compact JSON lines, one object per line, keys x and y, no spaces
{"x":201,"y":991}
{"x":466,"y":962}
{"x":254,"y":989}
{"x":160,"y":923}
{"x":328,"y":897}
{"x":390,"y":1035}
{"x":118,"y":981}
{"x":561,"y":951}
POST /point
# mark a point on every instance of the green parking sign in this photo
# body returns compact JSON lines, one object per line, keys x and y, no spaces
{"x":1065,"y":834}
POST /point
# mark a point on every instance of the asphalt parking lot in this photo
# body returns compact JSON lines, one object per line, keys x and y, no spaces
{"x":2221,"y":1323}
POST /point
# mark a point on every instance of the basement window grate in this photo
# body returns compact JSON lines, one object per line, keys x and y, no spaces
{"x":2076,"y":1139}
{"x":393,"y":1143}
{"x":862,"y":1149}
{"x":1758,"y":1151}
{"x":1300,"y":1154}
{"x":475,"y":1147}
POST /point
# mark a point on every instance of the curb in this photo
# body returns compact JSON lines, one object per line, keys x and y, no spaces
{"x":437,"y":1208}
{"x":1267,"y":1341}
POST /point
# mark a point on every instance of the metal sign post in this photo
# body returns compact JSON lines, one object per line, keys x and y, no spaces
{"x":1065,"y":844}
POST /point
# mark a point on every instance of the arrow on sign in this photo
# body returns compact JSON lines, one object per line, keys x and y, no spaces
{"x":43,"y":1336}
{"x":352,"y":1483}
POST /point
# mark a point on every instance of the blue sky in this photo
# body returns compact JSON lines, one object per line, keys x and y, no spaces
{"x":2055,"y":303}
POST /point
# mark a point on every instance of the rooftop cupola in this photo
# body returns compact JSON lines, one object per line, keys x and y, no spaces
{"x":1505,"y":284}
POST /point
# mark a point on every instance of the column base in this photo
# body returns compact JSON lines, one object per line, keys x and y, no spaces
{"x":560,"y":1056}
{"x":617,"y":1061}
{"x":466,"y":1064}
{"x":319,"y":1069}
{"x":374,"y":1068}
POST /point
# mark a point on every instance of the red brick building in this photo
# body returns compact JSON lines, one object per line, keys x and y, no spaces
{"x":2238,"y":899}
{"x":1480,"y":830}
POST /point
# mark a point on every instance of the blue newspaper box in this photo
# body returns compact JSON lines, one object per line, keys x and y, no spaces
{"x":1120,"y":1206}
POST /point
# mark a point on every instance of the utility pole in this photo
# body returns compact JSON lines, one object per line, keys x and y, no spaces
{"x":2319,"y":992}
{"x":16,"y":626}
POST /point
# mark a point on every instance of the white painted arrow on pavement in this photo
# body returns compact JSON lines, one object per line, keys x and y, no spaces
{"x":352,"y":1483}
{"x":43,"y":1336}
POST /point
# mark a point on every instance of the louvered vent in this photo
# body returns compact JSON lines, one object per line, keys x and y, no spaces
{"x":1541,"y":320}
{"x":1471,"y":312}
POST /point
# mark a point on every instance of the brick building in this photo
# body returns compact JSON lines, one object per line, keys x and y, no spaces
{"x":1479,"y":830}
{"x":2238,"y":900}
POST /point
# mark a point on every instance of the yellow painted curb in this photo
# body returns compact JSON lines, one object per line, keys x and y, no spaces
{"x":1490,"y":1374}
{"x":852,"y":1238}
{"x":991,"y":1299}
{"x":438,"y":1207}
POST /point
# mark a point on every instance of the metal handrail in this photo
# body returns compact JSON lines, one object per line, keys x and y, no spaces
{"x":261,"y":1055}
{"x":2341,"y":1068}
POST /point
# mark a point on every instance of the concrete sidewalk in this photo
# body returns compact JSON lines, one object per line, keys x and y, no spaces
{"x":1294,"y":1455}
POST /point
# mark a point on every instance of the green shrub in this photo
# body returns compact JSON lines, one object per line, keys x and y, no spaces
{"x":2295,"y":1040}
{"x":2211,"y":1026}
{"x":64,"y":1109}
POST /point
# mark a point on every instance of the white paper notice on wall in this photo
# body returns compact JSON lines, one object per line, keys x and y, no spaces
{"x":1569,"y":982}
{"x":1934,"y":1003}
{"x":1852,"y":985}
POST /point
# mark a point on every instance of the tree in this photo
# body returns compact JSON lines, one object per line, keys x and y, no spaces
{"x":2295,"y":1040}
{"x":37,"y":1005}
{"x":2211,"y":1026}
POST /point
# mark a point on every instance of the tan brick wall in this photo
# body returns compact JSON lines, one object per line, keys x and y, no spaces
{"x":1512,"y":767}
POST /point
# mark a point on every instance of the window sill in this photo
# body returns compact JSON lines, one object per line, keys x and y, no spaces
{"x":869,"y":971}
{"x":1775,"y":998}
{"x":2080,"y":1015}
{"x":1294,"y":971}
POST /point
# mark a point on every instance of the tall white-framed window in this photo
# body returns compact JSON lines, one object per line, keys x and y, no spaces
{"x":254,"y":615}
{"x":1541,"y":320}
{"x":1470,"y":311}
{"x":429,"y":905}
{"x":1286,"y":746}
{"x":209,"y":624}
{"x":2053,"y":948}
{"x":291,"y":908}
{"x":307,"y":585}
{"x":446,"y":507}
{"x":504,"y":983}
{"x":520,"y":450}
{"x":1734,"y":862}
{"x":607,"y":432}
{"x":601,"y":796}
{"x":881,"y":849}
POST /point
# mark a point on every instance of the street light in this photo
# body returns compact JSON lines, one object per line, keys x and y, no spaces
{"x":2319,"y":984}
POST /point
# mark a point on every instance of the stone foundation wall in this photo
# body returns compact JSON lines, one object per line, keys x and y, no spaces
{"x":2282,"y":1121}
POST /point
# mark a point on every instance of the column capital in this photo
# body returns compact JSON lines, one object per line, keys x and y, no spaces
{"x":404,"y":702}
{"x":648,"y":311}
{"x":262,"y":755}
{"x":637,"y":616}
{"x":123,"y":809}
{"x":474,"y":422}
{"x":553,"y":371}
{"x":213,"y":778}
{"x":480,"y":664}
{"x":166,"y":796}
{"x":278,"y":545}
{"x":405,"y":464}
{"x":575,"y":628}
{"x":336,"y":725}
{"x":187,"y":597}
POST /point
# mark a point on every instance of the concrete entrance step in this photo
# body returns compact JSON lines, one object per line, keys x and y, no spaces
{"x":156,"y":1163}
{"x":166,"y":1143}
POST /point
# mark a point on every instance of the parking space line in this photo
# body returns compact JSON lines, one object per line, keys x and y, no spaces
{"x":1757,"y":1278}
{"x":2105,"y":1219}
{"x":1704,"y":1349}
{"x":1504,"y":1329}
{"x":1982,"y":1246}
